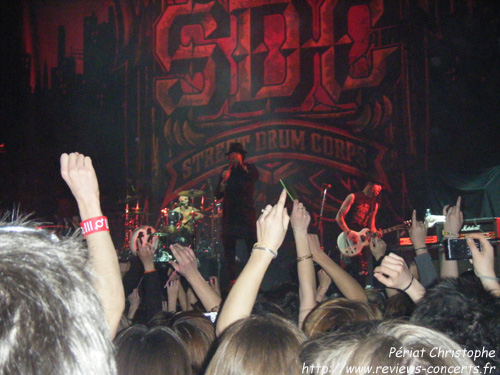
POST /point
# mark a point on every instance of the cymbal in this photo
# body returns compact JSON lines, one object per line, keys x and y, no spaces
{"x":191,"y":193}
{"x":128,"y":199}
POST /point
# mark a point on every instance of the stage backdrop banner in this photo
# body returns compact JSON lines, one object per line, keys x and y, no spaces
{"x":307,"y":87}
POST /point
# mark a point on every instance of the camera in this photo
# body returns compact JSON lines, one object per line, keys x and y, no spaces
{"x":457,"y":248}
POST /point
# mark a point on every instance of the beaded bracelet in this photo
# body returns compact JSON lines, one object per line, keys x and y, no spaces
{"x":265,"y":249}
{"x":94,"y":224}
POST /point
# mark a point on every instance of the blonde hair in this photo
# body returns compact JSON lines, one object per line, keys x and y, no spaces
{"x":337,"y":312}
{"x":406,"y":347}
{"x":258,"y":345}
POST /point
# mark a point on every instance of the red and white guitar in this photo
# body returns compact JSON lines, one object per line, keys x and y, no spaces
{"x":350,"y":249}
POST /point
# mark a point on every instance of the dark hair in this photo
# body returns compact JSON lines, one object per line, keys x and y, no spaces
{"x":376,"y":297}
{"x":155,"y":351}
{"x":51,"y":317}
{"x":399,"y":306}
{"x":281,"y":300}
{"x":465,"y":311}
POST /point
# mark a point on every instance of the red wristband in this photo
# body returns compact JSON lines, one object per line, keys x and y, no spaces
{"x":94,"y":224}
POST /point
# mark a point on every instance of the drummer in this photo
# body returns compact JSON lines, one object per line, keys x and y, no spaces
{"x":189,"y":213}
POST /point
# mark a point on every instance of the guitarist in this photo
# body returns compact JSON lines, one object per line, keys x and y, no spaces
{"x":359,"y":211}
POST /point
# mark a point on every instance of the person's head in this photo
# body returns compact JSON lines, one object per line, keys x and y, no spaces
{"x":373,"y":188}
{"x":258,"y":345}
{"x":236,"y":153}
{"x":51,"y":317}
{"x":334,"y":313}
{"x":285,"y":298}
{"x":377,"y":298}
{"x":161,"y":318}
{"x":391,"y":344}
{"x":198,"y":333}
{"x":235,"y":157}
{"x":466,"y":312}
{"x":156,"y":351}
{"x":399,"y":306}
{"x":183,"y":201}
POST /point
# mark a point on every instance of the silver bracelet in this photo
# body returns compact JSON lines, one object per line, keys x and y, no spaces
{"x":265,"y":249}
{"x":488,"y":277}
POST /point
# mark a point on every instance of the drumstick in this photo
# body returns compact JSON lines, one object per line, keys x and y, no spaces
{"x":290,"y":195}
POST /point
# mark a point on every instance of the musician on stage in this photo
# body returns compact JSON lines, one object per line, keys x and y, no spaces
{"x":236,"y":186}
{"x":359,"y":211}
{"x":189,"y":213}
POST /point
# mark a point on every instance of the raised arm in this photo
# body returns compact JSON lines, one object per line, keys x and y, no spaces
{"x":347,"y":285}
{"x":78,"y":172}
{"x":324,"y":281}
{"x":152,"y":299}
{"x":394,"y":273}
{"x":378,"y":248}
{"x":484,"y":261}
{"x":271,"y":229}
{"x":187,"y":266}
{"x":426,"y":271}
{"x":453,"y":222}
{"x":300,"y":220}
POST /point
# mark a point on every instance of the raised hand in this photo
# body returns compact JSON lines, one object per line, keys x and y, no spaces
{"x":483,"y":260}
{"x":173,"y":287}
{"x":134,"y":300}
{"x":273,"y":224}
{"x":146,"y":252}
{"x":300,"y":218}
{"x":454,"y":218}
{"x":315,"y":247}
{"x":213,"y":281}
{"x":186,"y":263}
{"x":78,"y":172}
{"x":393,"y":272}
{"x":418,"y":231}
{"x":324,"y":280}
{"x":349,"y":287}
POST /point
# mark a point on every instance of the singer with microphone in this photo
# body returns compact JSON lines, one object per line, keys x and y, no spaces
{"x":236,"y":186}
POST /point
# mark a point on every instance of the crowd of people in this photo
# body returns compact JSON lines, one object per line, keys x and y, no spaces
{"x":64,"y":309}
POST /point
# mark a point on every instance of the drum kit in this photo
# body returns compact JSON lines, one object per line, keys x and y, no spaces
{"x":183,"y":222}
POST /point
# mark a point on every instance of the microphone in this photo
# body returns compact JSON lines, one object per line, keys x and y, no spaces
{"x":327,"y":186}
